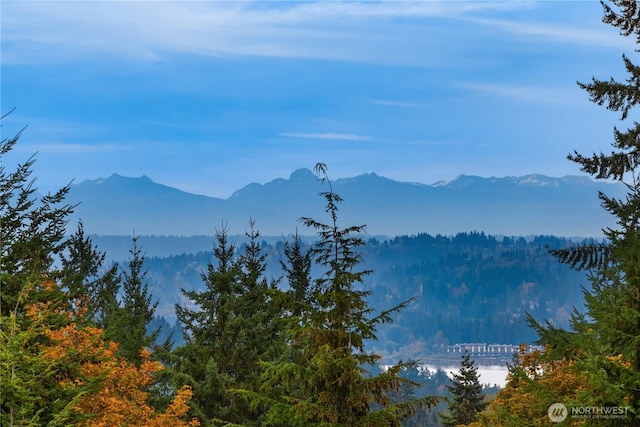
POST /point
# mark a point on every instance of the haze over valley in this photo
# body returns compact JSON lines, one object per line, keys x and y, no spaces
{"x":473,"y":251}
{"x":511,"y":206}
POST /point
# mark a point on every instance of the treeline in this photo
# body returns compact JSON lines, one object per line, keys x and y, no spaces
{"x":473,"y":288}
{"x":470,"y":287}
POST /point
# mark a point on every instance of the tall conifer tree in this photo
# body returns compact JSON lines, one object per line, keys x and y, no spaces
{"x":128,"y":322}
{"x":32,"y":230}
{"x":467,"y":398}
{"x":298,"y":298}
{"x":230,"y":326}
{"x":605,"y":341}
{"x":83,"y":277}
{"x":32,"y":236}
{"x":325,"y":382}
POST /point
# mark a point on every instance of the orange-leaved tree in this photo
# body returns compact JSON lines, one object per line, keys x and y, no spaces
{"x":55,"y":369}
{"x":534,"y":383}
{"x":105,"y":389}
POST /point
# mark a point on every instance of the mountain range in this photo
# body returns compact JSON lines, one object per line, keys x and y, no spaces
{"x":512,"y":206}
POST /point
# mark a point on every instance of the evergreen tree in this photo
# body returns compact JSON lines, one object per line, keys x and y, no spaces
{"x":259,"y":326}
{"x":197,"y":363}
{"x":605,"y":341}
{"x":83,"y":277}
{"x":128,"y":323}
{"x":254,"y":328}
{"x":81,"y":263}
{"x":467,"y":398}
{"x":104,"y":302}
{"x":230,"y":327}
{"x":297,"y":301}
{"x":427,"y":383}
{"x":202,"y":321}
{"x":55,"y":368}
{"x":32,"y":230}
{"x":297,"y":269}
{"x":327,"y":383}
{"x":32,"y":233}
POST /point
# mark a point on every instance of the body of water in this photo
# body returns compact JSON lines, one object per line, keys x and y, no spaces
{"x":488,"y":374}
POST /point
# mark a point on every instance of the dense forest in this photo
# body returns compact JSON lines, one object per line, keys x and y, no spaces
{"x":466,"y":288}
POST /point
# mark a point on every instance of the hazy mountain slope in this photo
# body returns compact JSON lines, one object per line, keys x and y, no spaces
{"x":529,"y":205}
{"x":121,"y":205}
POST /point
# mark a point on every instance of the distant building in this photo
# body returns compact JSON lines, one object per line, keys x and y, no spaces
{"x":486,"y":349}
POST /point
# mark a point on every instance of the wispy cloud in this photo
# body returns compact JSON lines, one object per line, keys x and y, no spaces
{"x":334,"y":30}
{"x":567,"y":33}
{"x":330,"y":136}
{"x":528,"y":94}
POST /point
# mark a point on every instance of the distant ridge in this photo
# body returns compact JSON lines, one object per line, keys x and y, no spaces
{"x":525,"y":205}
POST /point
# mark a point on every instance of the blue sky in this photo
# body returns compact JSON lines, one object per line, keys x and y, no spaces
{"x":208,"y":96}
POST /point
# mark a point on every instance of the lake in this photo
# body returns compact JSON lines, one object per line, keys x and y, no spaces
{"x":488,"y":374}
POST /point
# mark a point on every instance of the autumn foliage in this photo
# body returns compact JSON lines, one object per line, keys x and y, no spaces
{"x":533,"y":384}
{"x":120,"y":397}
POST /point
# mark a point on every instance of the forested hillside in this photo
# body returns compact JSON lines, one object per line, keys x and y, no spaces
{"x":470,"y":287}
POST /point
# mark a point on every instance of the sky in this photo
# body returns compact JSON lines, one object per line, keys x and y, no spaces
{"x":209,"y":96}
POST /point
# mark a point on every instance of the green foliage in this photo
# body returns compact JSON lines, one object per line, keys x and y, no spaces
{"x":467,"y":398}
{"x":229,"y":327}
{"x":297,"y":269}
{"x":323,"y":381}
{"x":204,"y":322}
{"x":56,"y":369}
{"x":32,"y":229}
{"x":32,"y":391}
{"x":422,"y":383}
{"x":128,"y":322}
{"x":83,"y":277}
{"x":605,"y":343}
{"x":81,"y":263}
{"x":504,"y":278}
